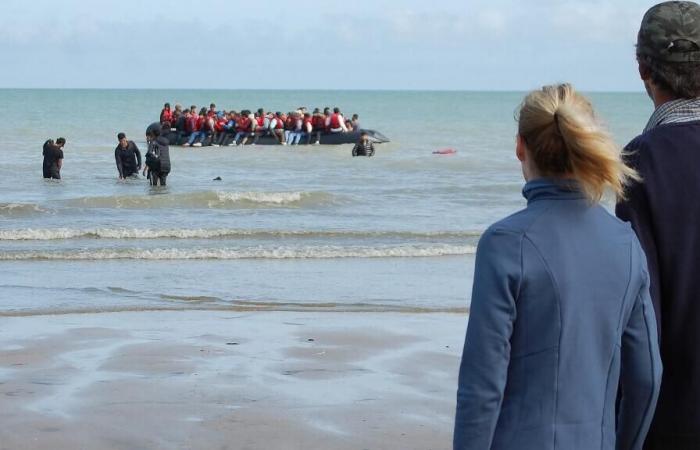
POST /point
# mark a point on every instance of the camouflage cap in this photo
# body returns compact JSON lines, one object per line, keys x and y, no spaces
{"x":670,"y":32}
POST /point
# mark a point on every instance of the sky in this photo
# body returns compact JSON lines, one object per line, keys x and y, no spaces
{"x":496,"y":45}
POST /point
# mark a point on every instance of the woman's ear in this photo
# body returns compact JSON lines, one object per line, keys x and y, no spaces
{"x":520,"y":149}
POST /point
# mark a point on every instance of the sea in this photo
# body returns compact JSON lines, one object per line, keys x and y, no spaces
{"x":286,"y":228}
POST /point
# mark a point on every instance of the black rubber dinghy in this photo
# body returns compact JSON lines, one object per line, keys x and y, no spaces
{"x":351,"y":137}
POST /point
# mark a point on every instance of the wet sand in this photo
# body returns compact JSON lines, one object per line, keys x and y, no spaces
{"x":225,"y":380}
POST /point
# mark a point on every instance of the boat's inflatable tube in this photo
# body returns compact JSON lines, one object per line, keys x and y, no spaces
{"x":445,"y":151}
{"x":351,"y":137}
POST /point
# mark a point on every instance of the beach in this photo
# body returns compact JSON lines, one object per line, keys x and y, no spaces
{"x":307,"y":299}
{"x":229,"y":380}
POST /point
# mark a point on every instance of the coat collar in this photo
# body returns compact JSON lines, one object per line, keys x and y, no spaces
{"x":552,"y":189}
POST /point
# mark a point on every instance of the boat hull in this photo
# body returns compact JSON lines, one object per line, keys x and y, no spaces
{"x":351,"y":137}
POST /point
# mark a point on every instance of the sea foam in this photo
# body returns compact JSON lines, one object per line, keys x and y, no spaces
{"x":48,"y":234}
{"x":258,"y":252}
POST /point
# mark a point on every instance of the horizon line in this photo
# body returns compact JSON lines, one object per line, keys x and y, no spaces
{"x":503,"y":91}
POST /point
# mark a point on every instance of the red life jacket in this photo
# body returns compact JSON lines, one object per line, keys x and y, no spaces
{"x":335,"y":121}
{"x":242,"y":124}
{"x":191,"y":124}
{"x":279,"y":124}
{"x":318,"y":122}
{"x":166,"y":116}
{"x":261,"y":121}
{"x":200,"y":123}
{"x":219,"y":126}
{"x":308,"y":120}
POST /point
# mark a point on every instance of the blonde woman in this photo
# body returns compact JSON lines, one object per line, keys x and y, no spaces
{"x":560,"y":313}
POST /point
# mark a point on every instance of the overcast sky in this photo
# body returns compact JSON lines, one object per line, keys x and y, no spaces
{"x":324,"y":44}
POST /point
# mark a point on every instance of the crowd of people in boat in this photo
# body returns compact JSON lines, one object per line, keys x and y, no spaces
{"x":231,"y":128}
{"x":217,"y":128}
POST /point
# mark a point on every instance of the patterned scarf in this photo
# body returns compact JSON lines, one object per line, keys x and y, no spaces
{"x":675,"y":111}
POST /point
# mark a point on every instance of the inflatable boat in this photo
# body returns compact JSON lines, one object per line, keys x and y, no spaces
{"x":351,"y":137}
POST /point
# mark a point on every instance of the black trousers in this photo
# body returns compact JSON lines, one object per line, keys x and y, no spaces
{"x":157,"y":177}
{"x":52,"y":172}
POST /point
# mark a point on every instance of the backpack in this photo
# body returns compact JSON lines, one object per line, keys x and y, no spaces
{"x":152,"y":161}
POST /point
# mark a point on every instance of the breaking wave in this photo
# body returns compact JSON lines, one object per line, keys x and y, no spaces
{"x":48,"y":234}
{"x":305,"y":252}
{"x":19,"y":209}
{"x":207,"y":199}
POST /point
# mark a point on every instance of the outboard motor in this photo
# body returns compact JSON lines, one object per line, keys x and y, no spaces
{"x":376,"y":137}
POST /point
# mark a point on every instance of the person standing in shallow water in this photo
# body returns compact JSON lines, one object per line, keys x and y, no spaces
{"x":127,"y":157}
{"x":364,"y":146}
{"x":560,"y":312}
{"x":664,"y":210}
{"x":158,"y":155}
{"x":53,"y":158}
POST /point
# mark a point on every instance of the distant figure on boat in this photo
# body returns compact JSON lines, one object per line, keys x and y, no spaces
{"x":166,"y":115}
{"x":200,"y":126}
{"x":295,"y":130}
{"x":364,"y":146}
{"x":336,"y":123}
{"x":277,"y":127}
{"x":53,"y":158}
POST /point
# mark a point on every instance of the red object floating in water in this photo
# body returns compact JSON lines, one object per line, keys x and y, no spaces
{"x":445,"y":151}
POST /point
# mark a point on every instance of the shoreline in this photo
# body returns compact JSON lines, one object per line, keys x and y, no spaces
{"x":225,"y":379}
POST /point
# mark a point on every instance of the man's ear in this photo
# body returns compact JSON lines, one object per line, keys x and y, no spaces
{"x":644,"y":72}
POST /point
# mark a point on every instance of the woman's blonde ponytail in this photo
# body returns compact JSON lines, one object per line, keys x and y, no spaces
{"x":565,"y":140}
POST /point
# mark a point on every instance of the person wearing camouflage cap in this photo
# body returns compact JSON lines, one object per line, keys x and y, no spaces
{"x":664,"y":210}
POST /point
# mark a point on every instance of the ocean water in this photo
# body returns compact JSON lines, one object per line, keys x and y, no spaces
{"x":286,"y":228}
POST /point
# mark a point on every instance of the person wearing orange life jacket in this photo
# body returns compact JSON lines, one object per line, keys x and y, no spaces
{"x":289,"y":124}
{"x":177,"y":112}
{"x":297,"y":129}
{"x":262,"y":125}
{"x":209,"y":128}
{"x":307,"y":127}
{"x":166,"y":115}
{"x":326,"y":119}
{"x":191,"y":120}
{"x":229,"y":129}
{"x":335,"y":122}
{"x":219,"y":129}
{"x":277,"y":127}
{"x":198,"y":132}
{"x":212,"y":110}
{"x":318,"y":122}
{"x":244,"y":127}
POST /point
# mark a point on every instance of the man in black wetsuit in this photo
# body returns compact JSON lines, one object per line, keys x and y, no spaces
{"x":53,"y":158}
{"x":157,"y":156}
{"x":364,"y":146}
{"x":128,"y":158}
